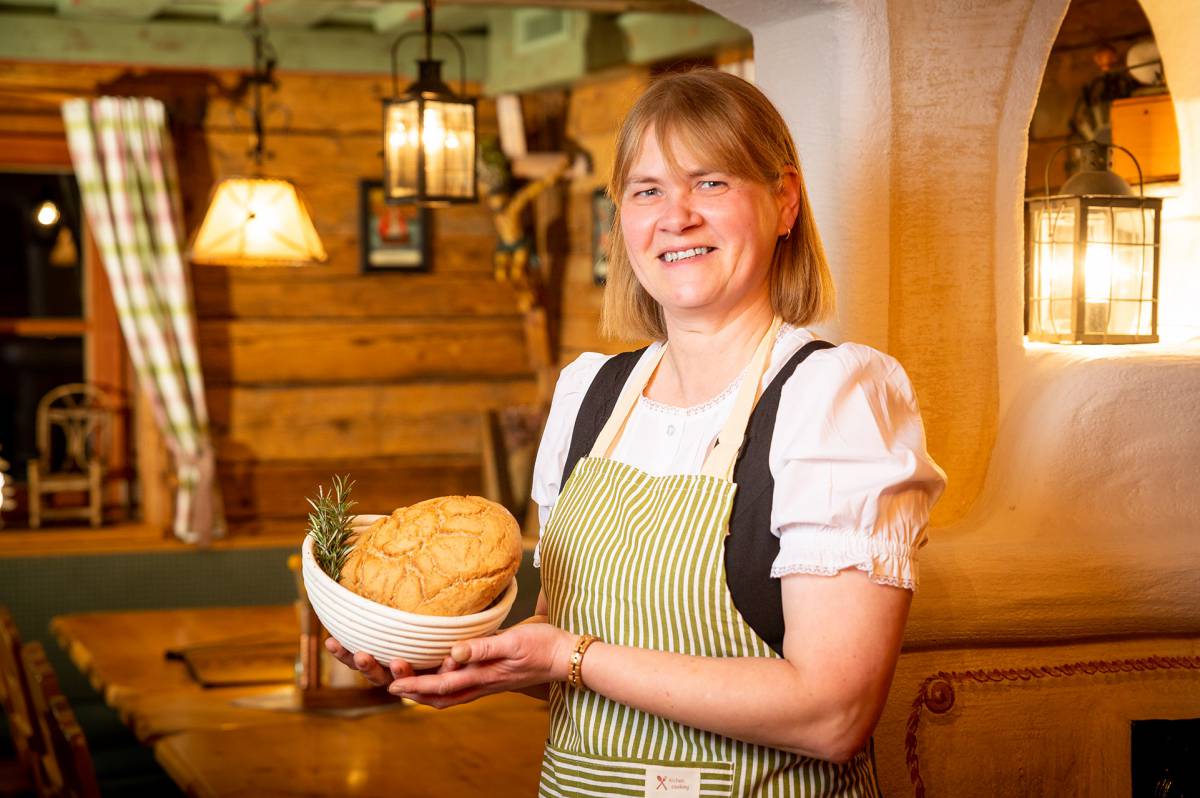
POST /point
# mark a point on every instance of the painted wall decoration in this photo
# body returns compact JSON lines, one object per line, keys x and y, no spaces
{"x":394,"y":238}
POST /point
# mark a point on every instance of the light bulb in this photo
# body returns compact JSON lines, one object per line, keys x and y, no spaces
{"x":47,"y":214}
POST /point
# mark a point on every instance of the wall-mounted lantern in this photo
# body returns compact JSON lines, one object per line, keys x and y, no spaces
{"x":1091,"y":257}
{"x":429,"y":132}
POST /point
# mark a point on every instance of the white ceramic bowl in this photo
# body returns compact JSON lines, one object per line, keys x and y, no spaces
{"x":385,"y":633}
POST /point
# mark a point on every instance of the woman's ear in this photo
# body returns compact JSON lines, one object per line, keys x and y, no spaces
{"x":787,"y":198}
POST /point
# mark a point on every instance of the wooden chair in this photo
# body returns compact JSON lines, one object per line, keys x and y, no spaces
{"x":83,"y":416}
{"x":18,"y":708}
{"x":66,"y":769}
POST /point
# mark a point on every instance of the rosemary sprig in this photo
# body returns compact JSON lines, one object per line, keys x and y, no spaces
{"x":329,"y":525}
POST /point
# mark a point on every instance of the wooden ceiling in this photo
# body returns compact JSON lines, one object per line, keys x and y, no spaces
{"x":380,"y":16}
{"x":1089,"y":23}
{"x":508,"y":45}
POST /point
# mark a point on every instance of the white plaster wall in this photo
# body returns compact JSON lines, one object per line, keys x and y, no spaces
{"x":1086,"y":523}
{"x":825,"y":66}
{"x":1082,"y":540}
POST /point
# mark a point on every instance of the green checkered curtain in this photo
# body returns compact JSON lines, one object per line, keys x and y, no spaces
{"x":121,"y":150}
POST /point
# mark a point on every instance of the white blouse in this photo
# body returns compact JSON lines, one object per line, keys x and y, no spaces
{"x":853,"y":482}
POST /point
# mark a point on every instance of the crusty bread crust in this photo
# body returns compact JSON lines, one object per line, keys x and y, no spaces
{"x":452,"y":555}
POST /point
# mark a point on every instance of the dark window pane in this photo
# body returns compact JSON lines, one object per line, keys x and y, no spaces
{"x":40,"y":250}
{"x":29,"y":368}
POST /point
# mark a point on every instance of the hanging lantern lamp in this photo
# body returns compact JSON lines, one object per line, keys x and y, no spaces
{"x":429,"y":132}
{"x":257,"y":221}
{"x":1091,"y":257}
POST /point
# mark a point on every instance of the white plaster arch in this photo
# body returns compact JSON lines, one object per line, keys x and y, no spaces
{"x":1012,"y":144}
{"x":1087,"y":524}
{"x":1082,"y":523}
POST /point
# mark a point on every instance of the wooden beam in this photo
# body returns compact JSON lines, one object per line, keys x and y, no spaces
{"x":659,"y":37}
{"x":124,"y":10}
{"x":244,"y":294}
{"x":279,"y":13}
{"x":596,"y":6}
{"x":176,"y":43}
{"x":357,"y":421}
{"x":515,"y":68}
{"x":392,"y":17}
{"x":398,"y":18}
{"x":277,"y":488}
{"x":314,"y":352}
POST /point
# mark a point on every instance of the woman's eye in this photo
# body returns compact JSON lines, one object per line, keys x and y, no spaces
{"x":712,"y":183}
{"x":646,"y":192}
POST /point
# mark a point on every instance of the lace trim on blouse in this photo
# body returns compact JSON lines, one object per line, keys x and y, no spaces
{"x":694,"y":410}
{"x":826,"y":552}
{"x":723,"y":396}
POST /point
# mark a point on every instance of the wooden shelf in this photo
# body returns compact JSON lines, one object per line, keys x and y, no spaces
{"x":124,"y":539}
{"x":43,"y":327}
{"x":1146,"y":126}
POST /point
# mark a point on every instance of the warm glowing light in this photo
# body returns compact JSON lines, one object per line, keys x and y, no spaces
{"x":257,"y":222}
{"x":1097,"y":273}
{"x":434,"y":135}
{"x":397,"y":136}
{"x":47,"y":214}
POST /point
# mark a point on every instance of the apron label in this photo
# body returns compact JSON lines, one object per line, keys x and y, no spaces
{"x":675,"y":782}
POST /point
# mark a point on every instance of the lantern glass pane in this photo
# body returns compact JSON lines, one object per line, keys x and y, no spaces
{"x":1053,"y":277}
{"x":400,"y":139}
{"x":1118,"y":272}
{"x":449,"y":141}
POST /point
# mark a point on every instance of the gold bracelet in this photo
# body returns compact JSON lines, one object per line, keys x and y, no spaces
{"x":574,"y":678}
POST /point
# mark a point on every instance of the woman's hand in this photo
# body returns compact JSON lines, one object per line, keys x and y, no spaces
{"x":368,"y":666}
{"x":529,"y":654}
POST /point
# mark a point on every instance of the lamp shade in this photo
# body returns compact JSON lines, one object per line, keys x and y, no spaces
{"x":254,"y":221}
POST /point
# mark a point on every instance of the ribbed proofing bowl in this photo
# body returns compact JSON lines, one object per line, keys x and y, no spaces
{"x":360,"y":624}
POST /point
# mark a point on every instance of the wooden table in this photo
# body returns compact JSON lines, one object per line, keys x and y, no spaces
{"x":213,"y":748}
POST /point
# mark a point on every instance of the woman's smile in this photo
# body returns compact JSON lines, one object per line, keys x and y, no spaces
{"x":689,"y":254}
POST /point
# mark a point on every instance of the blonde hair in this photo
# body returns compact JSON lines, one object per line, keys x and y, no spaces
{"x":735,"y":129}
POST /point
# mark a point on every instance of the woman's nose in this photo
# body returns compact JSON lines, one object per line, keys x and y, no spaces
{"x":678,"y":215}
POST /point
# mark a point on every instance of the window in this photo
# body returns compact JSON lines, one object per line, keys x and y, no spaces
{"x":57,"y":320}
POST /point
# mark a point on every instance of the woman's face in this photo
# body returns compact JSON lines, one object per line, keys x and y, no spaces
{"x":700,"y":240}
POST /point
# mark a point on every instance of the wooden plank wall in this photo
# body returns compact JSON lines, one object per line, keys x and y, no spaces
{"x":596,"y":107}
{"x":323,"y":370}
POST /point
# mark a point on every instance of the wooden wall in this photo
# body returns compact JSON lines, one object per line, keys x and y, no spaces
{"x":322,"y":370}
{"x":595,"y":111}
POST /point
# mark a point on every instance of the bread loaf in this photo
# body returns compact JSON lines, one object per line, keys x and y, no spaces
{"x":447,"y":556}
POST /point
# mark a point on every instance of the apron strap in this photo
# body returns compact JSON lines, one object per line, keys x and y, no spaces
{"x":607,"y":440}
{"x":721,"y":459}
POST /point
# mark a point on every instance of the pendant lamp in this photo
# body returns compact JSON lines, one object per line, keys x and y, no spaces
{"x":256,"y":220}
{"x":429,"y":132}
{"x":1092,"y":253}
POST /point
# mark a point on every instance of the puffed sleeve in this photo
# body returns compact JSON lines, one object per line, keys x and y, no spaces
{"x":853,"y":481}
{"x":573,"y":382}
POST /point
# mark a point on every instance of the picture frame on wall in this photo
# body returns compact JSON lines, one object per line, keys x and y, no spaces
{"x":393,"y":238}
{"x":604,"y":213}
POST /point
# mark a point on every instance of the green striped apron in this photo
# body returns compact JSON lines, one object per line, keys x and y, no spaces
{"x":638,"y":561}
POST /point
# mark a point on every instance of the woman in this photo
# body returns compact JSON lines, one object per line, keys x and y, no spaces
{"x":727,"y":575}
